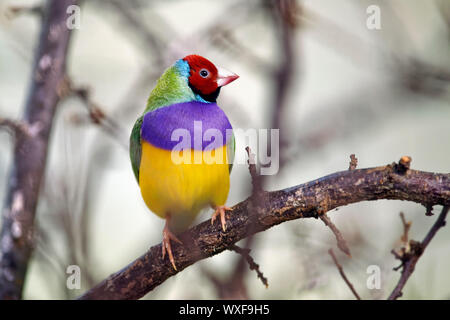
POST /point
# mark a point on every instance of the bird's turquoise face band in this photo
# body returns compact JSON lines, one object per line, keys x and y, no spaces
{"x":183,"y":68}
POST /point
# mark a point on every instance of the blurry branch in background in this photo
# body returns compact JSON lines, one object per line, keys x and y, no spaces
{"x":68,"y":214}
{"x":130,"y":102}
{"x":284,"y":14}
{"x":342,"y":273}
{"x":17,"y":128}
{"x":30,"y":151}
{"x":96,"y":113}
{"x":393,"y":182}
{"x":222,"y":35}
{"x":444,"y":10}
{"x":68,"y":202}
{"x":414,"y":250}
{"x":410,"y":72}
{"x":137,"y":25}
{"x":407,"y":74}
{"x":423,"y":77}
{"x":69,"y":199}
{"x":226,"y":40}
{"x":15,"y":10}
{"x":231,"y":288}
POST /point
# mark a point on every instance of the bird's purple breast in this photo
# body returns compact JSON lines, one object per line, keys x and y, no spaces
{"x":202,"y":125}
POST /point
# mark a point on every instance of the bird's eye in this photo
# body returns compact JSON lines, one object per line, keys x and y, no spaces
{"x":204,"y":73}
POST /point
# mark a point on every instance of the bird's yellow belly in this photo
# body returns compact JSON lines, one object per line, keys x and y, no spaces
{"x":183,"y":189}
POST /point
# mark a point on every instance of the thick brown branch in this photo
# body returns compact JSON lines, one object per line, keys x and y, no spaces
{"x":335,"y":190}
{"x":30,"y":152}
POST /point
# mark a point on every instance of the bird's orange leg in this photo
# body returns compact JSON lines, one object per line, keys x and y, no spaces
{"x":167,"y":236}
{"x":220,"y":210}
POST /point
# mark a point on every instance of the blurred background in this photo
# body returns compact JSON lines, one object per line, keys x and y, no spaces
{"x":314,"y":69}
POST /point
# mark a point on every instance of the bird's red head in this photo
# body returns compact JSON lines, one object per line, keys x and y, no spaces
{"x":205,"y":78}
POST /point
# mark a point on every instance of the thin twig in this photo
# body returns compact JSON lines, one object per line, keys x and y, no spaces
{"x":96,"y":113}
{"x":256,"y":178}
{"x":406,"y":227}
{"x":405,"y":248}
{"x":409,"y":259}
{"x":341,"y":243}
{"x":251,"y":262}
{"x":138,"y":26}
{"x":341,"y":271}
{"x":353,"y":162}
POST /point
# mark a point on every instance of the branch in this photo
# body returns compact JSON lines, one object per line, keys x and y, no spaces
{"x":256,"y":178}
{"x":409,"y":259}
{"x":251,"y":262}
{"x":17,"y":128}
{"x":353,"y":162}
{"x":341,"y":243}
{"x":283,"y":14}
{"x":138,"y":26}
{"x":96,"y":113}
{"x":30,"y":152}
{"x":341,"y":272}
{"x":19,"y":9}
{"x":406,"y":227}
{"x":335,"y":190}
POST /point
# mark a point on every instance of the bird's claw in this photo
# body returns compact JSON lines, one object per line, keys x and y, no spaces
{"x":167,"y":236}
{"x":220,"y":210}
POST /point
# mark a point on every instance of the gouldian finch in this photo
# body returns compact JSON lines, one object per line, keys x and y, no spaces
{"x":184,"y":99}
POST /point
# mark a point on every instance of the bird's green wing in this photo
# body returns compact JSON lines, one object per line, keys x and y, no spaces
{"x":136,"y":147}
{"x":231,"y":149}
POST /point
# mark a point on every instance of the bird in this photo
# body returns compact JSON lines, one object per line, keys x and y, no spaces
{"x":184,"y":98}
